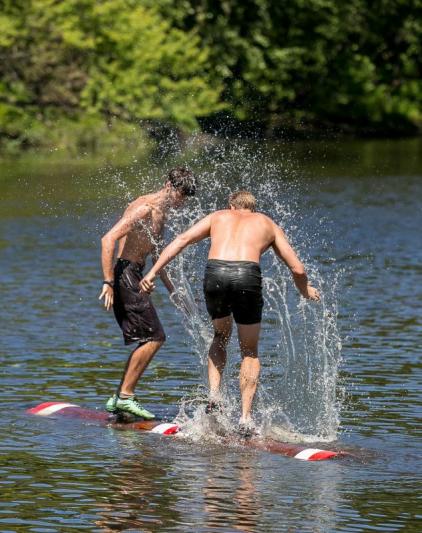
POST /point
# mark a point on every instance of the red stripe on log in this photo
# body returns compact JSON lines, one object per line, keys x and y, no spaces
{"x":41,"y":406}
{"x":323,"y":454}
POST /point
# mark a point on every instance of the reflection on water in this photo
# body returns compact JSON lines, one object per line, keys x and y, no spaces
{"x":353,"y":211}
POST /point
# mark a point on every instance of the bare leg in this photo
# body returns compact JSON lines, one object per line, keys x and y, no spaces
{"x":249,"y":369}
{"x":217,"y":354}
{"x":139,"y":360}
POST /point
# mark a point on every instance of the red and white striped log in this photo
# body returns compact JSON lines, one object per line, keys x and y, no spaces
{"x":170,"y":428}
{"x":103,"y":418}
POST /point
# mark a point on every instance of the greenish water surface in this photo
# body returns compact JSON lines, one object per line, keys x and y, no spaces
{"x":352,"y":209}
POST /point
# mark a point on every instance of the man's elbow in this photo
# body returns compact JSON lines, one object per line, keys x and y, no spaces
{"x":298,"y":270}
{"x":107,"y":240}
{"x":181,"y":242}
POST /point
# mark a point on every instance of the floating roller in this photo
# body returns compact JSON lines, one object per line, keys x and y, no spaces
{"x":288,"y":449}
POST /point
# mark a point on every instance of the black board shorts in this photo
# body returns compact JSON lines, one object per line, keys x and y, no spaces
{"x":133,"y":309}
{"x":234,"y":287}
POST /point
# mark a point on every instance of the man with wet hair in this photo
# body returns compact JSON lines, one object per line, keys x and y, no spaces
{"x":139,"y":234}
{"x":233,"y":286}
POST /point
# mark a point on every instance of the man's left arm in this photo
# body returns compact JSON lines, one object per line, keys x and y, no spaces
{"x":199,"y":231}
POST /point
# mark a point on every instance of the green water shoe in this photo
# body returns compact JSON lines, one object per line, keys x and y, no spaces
{"x":128,"y":405}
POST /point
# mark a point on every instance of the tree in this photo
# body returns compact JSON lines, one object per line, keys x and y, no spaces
{"x":83,"y":60}
{"x":357,"y":62}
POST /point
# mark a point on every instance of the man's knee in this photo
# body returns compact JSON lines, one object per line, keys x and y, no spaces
{"x":222,"y":336}
{"x":249,"y":351}
{"x":157,"y":342}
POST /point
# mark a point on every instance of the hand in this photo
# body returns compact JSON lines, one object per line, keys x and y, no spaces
{"x":147,"y":283}
{"x":108,"y":294}
{"x":311,"y":294}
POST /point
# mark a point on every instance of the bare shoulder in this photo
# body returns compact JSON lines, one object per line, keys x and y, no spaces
{"x":270,"y":228}
{"x":265,"y":219}
{"x":141,"y":207}
{"x":219,"y":215}
{"x":222,"y":212}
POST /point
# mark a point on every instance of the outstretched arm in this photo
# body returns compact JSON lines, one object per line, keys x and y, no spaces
{"x":286,"y":253}
{"x":108,"y":245}
{"x":163,"y":274}
{"x":199,"y":231}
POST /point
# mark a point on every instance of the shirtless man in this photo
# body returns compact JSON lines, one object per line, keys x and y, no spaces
{"x":138,"y":233}
{"x":233,"y":285}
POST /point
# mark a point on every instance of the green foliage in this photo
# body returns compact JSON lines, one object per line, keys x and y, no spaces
{"x":88,"y":66}
{"x":79,"y":61}
{"x":353,"y":62}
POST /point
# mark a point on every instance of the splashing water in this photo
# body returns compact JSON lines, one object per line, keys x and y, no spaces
{"x":300,"y":345}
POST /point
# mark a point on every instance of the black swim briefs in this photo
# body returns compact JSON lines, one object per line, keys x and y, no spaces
{"x":234,"y":287}
{"x":133,"y":309}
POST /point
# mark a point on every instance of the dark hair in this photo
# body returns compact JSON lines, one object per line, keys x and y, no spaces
{"x":183,"y":180}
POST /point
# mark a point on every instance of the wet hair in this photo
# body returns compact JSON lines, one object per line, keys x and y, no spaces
{"x":243,"y":200}
{"x":182,"y":180}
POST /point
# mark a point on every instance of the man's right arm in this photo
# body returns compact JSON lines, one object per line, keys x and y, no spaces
{"x":199,"y":231}
{"x":108,"y":245}
{"x":286,"y":253}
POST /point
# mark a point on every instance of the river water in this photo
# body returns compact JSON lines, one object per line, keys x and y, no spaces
{"x":345,"y":372}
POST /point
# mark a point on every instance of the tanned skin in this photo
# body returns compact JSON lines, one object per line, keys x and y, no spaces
{"x":236,"y":235}
{"x":138,"y":233}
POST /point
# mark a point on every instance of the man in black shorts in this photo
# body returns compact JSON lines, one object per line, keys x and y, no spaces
{"x":139,"y":234}
{"x":233,"y":284}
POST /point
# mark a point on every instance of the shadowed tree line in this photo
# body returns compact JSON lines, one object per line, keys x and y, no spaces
{"x":91,"y":72}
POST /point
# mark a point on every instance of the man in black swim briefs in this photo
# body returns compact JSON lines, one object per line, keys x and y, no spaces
{"x":234,"y":288}
{"x":233,"y":284}
{"x":139,"y":234}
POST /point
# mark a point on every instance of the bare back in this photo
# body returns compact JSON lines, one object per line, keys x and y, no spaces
{"x":240,"y":235}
